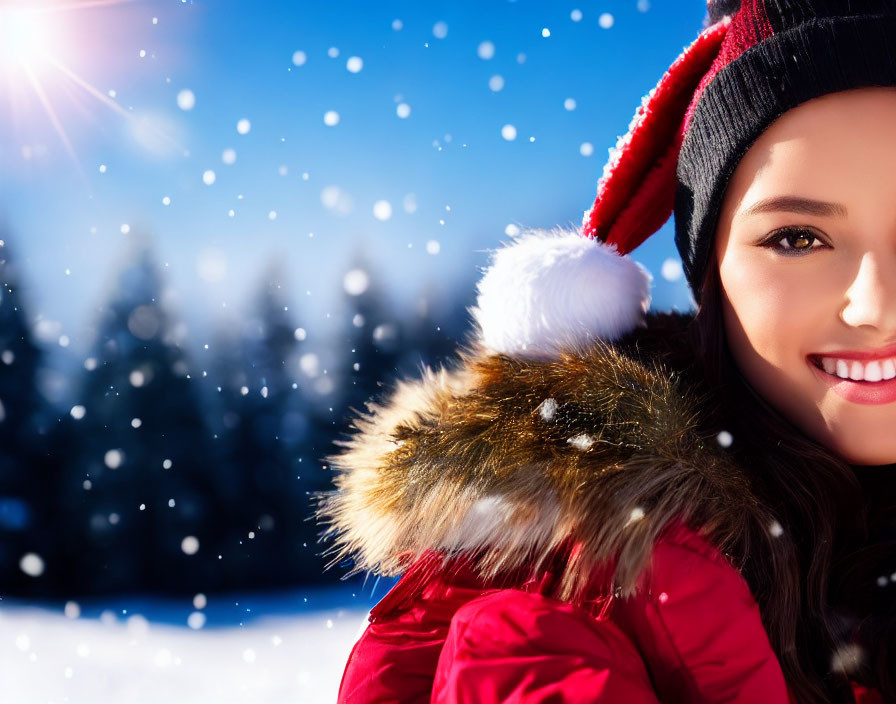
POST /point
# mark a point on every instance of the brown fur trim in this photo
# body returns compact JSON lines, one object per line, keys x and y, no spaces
{"x":505,"y":459}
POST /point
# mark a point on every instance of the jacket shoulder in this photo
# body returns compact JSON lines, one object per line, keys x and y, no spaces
{"x":693,"y":626}
{"x":692,"y":632}
{"x":699,"y":626}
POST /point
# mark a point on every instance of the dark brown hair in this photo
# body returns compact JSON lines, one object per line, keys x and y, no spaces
{"x":819,"y":582}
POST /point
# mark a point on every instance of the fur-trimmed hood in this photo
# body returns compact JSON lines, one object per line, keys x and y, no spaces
{"x":506,"y":459}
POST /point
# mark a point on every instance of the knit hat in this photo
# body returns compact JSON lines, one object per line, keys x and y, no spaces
{"x":553,"y":290}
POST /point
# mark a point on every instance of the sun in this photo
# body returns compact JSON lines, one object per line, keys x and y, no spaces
{"x":36,"y":39}
{"x":25,"y":36}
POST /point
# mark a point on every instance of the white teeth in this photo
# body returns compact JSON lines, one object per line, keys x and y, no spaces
{"x":875,"y":370}
{"x":889,"y":369}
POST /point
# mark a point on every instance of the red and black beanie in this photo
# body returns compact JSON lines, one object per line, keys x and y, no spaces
{"x":776,"y":55}
{"x":752,"y":61}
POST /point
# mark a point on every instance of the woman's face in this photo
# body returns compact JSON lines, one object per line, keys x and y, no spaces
{"x":827,"y":287}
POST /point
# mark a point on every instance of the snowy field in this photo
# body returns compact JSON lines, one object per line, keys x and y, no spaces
{"x":284,"y":647}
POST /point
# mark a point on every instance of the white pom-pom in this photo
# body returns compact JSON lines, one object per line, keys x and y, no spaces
{"x":553,"y":290}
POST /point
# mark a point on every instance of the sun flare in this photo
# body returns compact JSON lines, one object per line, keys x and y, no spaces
{"x":38,"y":41}
{"x":25,"y":36}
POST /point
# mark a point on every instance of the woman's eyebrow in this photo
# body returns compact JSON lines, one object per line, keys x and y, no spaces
{"x":796,"y":204}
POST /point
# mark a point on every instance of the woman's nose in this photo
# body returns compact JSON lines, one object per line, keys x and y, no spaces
{"x":871,"y":298}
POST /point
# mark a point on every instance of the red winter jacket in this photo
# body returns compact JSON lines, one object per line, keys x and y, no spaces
{"x":695,"y":636}
{"x":545,"y":482}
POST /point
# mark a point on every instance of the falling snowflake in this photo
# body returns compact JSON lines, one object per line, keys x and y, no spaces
{"x":186,"y":100}
{"x":196,"y":620}
{"x":672,"y":269}
{"x":382,"y":210}
{"x":190,"y":545}
{"x":336,"y":200}
{"x":847,"y":658}
{"x":356,"y":282}
{"x":485,"y":50}
{"x":32,"y":564}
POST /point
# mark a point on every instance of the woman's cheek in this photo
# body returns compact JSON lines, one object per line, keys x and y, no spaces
{"x":775,"y":297}
{"x":770,"y":320}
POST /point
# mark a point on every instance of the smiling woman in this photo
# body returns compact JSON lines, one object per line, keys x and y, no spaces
{"x":806,"y":250}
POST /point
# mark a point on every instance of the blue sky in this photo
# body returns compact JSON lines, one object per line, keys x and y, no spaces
{"x":453,"y":182}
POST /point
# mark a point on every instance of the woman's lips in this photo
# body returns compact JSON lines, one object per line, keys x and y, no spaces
{"x":880,"y":353}
{"x":868,"y":392}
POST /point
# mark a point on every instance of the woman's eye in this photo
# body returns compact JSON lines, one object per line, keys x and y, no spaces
{"x":798,"y":241}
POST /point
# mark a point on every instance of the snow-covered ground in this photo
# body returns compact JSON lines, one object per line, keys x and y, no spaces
{"x":261,"y":648}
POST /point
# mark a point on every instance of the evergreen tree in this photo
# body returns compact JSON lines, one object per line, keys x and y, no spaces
{"x":28,"y":548}
{"x":269,"y":425}
{"x":142,"y":493}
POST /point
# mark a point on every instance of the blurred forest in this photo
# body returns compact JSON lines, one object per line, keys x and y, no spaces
{"x":170,"y":477}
